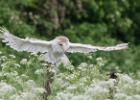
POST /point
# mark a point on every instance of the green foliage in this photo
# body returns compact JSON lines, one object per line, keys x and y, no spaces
{"x":96,"y":22}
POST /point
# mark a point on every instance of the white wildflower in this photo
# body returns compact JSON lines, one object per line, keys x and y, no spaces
{"x":126,"y":79}
{"x":2,"y":65}
{"x":39,"y":71}
{"x":90,"y":57}
{"x":70,"y":67}
{"x":81,"y":97}
{"x":14,"y":73}
{"x":70,"y":77}
{"x":61,"y":83}
{"x":44,"y":64}
{"x":107,"y":84}
{"x":3,"y":58}
{"x":34,"y":54}
{"x":24,"y":76}
{"x":52,"y":69}
{"x":71,"y":88}
{"x":30,"y":84}
{"x":83,"y":80}
{"x":38,"y":90}
{"x":83,"y":64}
{"x":16,"y":97}
{"x":12,"y":56}
{"x":17,"y":65}
{"x":129,"y":98}
{"x":63,"y":96}
{"x":100,"y":61}
{"x":6,"y":89}
{"x":136,"y":97}
{"x":138,"y":84}
{"x":120,"y":96}
{"x":23,"y":61}
{"x":28,"y":96}
{"x":96,"y":90}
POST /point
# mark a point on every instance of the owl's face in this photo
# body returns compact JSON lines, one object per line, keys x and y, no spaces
{"x":61,"y":43}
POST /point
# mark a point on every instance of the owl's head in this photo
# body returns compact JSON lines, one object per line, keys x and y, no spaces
{"x":62,"y":42}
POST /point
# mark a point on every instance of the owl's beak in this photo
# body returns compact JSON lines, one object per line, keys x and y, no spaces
{"x":63,"y":48}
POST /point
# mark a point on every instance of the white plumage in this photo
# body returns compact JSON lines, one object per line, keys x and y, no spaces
{"x":53,"y":51}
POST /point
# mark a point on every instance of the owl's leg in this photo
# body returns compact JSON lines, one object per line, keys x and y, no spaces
{"x":65,"y":60}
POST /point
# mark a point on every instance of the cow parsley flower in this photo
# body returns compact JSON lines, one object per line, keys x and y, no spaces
{"x":126,"y":79}
{"x":12,"y":56}
{"x":81,"y":97}
{"x":30,"y":83}
{"x":38,"y":90}
{"x":100,"y":61}
{"x":96,"y":90}
{"x":39,"y":71}
{"x":120,"y":96}
{"x":3,"y":58}
{"x":6,"y":89}
{"x":129,"y":98}
{"x":63,"y":96}
{"x":107,"y":84}
{"x":28,"y":96}
{"x":23,"y":61}
{"x":71,"y":88}
{"x":0,"y":52}
{"x":17,"y":65}
{"x":136,"y":97}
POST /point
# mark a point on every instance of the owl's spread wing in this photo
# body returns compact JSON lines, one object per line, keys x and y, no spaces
{"x":86,"y":48}
{"x":29,"y":45}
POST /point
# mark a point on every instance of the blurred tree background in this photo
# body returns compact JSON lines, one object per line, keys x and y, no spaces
{"x":97,"y":22}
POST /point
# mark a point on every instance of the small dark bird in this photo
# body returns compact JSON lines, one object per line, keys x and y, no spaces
{"x":113,"y":75}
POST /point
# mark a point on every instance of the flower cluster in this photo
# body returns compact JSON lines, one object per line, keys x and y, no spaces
{"x":86,"y":82}
{"x":18,"y":79}
{"x":22,"y":79}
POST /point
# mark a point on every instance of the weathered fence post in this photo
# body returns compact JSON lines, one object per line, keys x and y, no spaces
{"x":48,"y":79}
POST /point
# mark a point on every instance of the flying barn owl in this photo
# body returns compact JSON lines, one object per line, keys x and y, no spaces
{"x":53,"y":51}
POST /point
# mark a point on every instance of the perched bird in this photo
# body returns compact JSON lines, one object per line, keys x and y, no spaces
{"x":113,"y":74}
{"x":53,"y":51}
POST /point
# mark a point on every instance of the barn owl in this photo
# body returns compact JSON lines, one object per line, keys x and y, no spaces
{"x":53,"y":51}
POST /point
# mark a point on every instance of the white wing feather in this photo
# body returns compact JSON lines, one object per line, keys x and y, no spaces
{"x":29,"y":45}
{"x":86,"y":48}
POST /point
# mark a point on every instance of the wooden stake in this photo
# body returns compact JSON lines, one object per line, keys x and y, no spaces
{"x":48,"y":77}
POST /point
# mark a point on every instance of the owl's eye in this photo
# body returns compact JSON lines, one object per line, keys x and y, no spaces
{"x":61,"y":44}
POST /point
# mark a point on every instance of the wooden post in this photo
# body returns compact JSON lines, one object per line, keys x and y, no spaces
{"x":48,"y":79}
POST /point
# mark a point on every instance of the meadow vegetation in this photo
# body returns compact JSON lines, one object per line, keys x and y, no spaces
{"x":96,"y":22}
